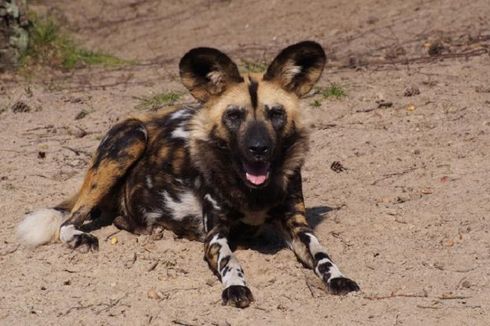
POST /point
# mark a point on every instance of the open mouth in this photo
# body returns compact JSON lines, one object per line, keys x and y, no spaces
{"x":257,"y":173}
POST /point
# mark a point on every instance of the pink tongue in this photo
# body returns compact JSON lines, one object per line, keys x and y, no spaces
{"x":256,"y":179}
{"x":256,"y":174}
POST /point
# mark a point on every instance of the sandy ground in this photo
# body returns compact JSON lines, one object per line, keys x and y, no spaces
{"x":408,"y":218}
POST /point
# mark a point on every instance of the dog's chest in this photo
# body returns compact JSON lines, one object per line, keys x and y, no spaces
{"x":254,"y":217}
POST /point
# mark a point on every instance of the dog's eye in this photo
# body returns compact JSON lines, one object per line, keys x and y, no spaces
{"x":277,"y":115}
{"x":220,"y":143}
{"x":233,"y":117}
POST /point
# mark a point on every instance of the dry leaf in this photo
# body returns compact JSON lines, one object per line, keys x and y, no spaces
{"x":154,"y":294}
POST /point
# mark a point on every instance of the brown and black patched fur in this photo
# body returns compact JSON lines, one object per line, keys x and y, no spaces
{"x":207,"y":172}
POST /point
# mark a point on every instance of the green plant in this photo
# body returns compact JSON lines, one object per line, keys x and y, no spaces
{"x":50,"y":46}
{"x":74,"y":56}
{"x":157,"y":101}
{"x":333,"y":91}
{"x":316,"y":104}
{"x":253,"y":67}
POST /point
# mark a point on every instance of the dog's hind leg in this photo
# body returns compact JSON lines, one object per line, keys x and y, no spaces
{"x":119,"y":150}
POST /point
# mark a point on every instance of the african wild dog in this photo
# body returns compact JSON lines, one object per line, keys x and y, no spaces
{"x":209,"y":172}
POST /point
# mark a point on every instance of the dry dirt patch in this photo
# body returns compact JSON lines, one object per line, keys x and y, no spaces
{"x":407,"y":216}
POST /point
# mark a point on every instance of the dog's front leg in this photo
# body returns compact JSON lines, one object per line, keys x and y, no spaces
{"x":305,"y":244}
{"x":225,"y":265}
{"x":309,"y":251}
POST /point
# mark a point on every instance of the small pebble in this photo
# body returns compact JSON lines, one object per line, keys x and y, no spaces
{"x":20,"y":107}
{"x":466,"y":284}
{"x":411,"y":91}
{"x":154,"y":294}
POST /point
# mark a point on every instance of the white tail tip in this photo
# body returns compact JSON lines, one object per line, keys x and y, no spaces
{"x":39,"y":227}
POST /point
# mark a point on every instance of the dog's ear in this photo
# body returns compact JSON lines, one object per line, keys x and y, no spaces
{"x":207,"y":72}
{"x":298,"y":67}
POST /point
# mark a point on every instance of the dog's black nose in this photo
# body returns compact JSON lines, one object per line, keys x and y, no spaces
{"x":258,"y":149}
{"x":258,"y":143}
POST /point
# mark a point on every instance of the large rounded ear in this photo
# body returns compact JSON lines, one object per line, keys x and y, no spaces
{"x":207,"y":72}
{"x":298,"y":67}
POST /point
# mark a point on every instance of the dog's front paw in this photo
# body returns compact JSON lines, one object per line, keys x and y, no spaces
{"x":238,"y":296}
{"x":84,"y":242}
{"x":342,"y":285}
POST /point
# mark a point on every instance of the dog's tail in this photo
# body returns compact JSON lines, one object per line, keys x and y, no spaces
{"x":43,"y":226}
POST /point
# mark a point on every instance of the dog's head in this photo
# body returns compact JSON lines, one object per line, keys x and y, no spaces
{"x":249,"y":126}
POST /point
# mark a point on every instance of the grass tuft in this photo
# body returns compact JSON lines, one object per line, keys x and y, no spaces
{"x":334,"y":91}
{"x":50,"y":46}
{"x":157,"y":101}
{"x":316,"y":104}
{"x":74,"y":57}
{"x":253,"y":67}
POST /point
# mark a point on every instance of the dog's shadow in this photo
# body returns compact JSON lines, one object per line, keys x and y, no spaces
{"x":270,"y":240}
{"x":316,"y":215}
